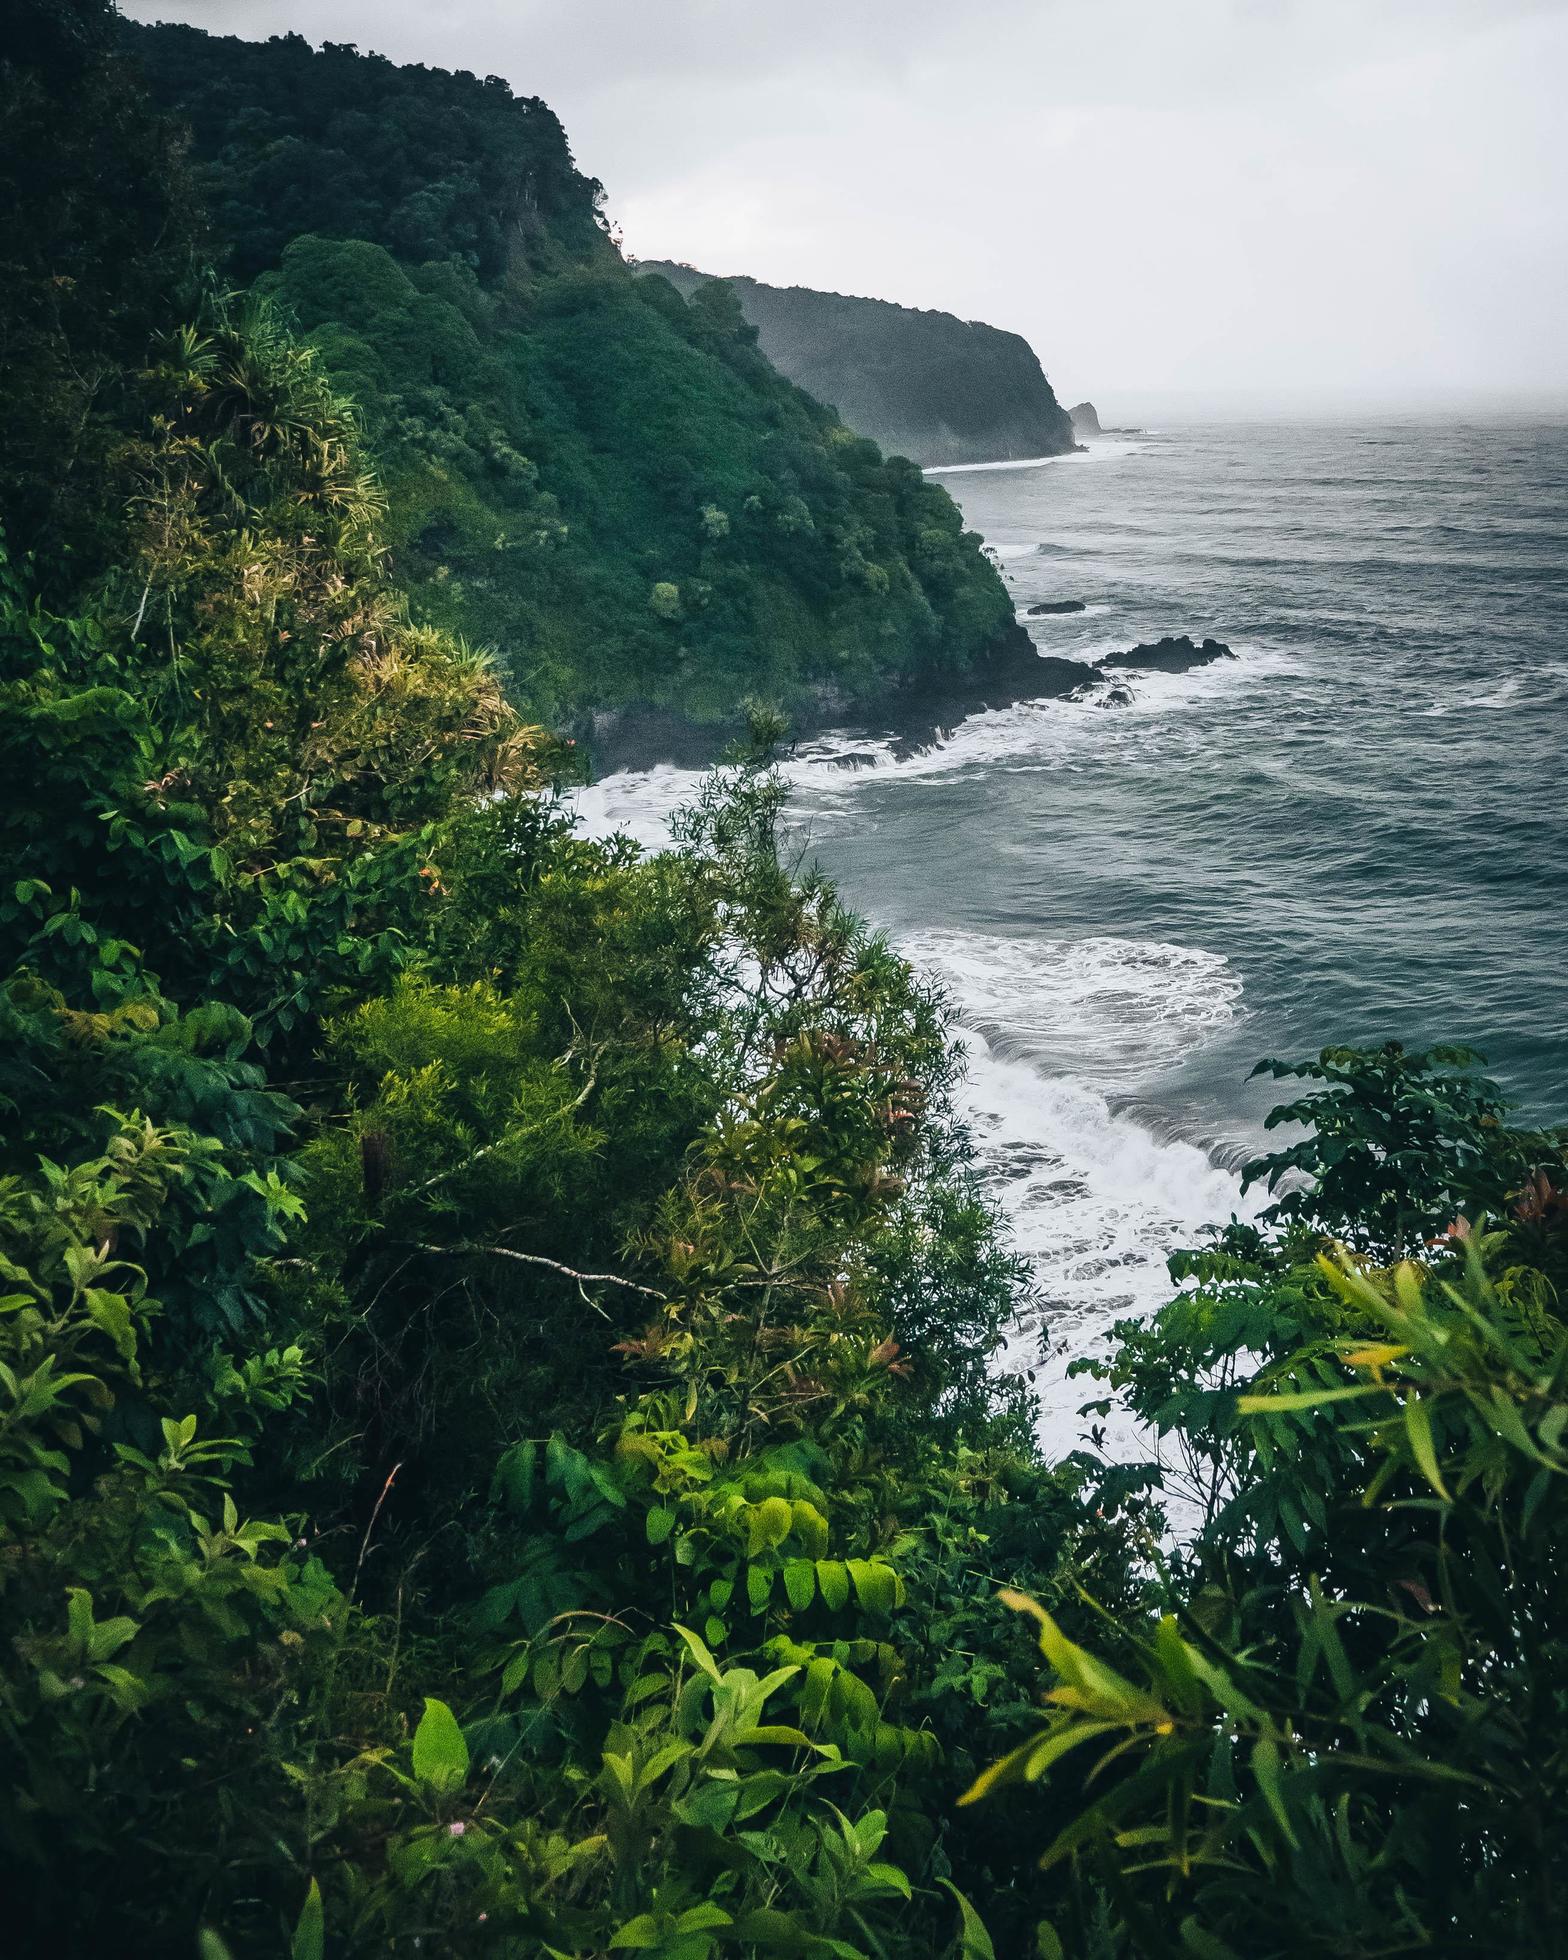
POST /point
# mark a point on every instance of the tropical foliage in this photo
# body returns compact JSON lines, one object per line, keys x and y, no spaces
{"x":612,"y":486}
{"x":1342,"y":1730}
{"x":502,"y":1446}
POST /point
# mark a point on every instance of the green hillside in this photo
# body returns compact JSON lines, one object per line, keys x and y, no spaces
{"x":612,"y":487}
{"x":921,"y":383}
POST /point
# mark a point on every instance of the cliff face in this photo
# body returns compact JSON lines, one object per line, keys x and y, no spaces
{"x":922,"y":384}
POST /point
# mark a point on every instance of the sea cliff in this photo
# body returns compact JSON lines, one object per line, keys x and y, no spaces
{"x":922,"y":384}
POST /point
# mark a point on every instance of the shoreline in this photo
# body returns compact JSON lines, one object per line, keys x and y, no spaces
{"x":914,"y":716}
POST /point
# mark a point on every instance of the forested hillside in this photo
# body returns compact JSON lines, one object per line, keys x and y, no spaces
{"x":921,"y":383}
{"x":503,"y":1445}
{"x":614,"y":489}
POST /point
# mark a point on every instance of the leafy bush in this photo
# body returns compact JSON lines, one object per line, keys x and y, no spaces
{"x":1343,"y":1733}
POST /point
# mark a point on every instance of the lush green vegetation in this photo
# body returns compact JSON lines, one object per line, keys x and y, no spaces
{"x":1341,"y":1728}
{"x":921,"y":383}
{"x":500,"y":1443}
{"x":612,"y":488}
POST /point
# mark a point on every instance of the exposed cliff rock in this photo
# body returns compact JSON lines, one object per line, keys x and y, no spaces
{"x":1085,"y":421}
{"x":1172,"y":655}
{"x":926,"y":385}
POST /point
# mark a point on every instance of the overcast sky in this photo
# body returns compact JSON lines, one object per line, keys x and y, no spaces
{"x":1280,"y":202}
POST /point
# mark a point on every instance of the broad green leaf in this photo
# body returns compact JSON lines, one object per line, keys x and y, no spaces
{"x":1204,"y":1945}
{"x":800,"y":1582}
{"x":440,"y":1753}
{"x":637,"y":1934}
{"x":698,"y":1652}
{"x":701,"y":1919}
{"x":1266,"y":1768}
{"x":833,"y":1582}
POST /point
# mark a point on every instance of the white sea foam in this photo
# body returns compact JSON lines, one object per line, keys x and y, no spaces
{"x":1103,"y":450}
{"x":637,"y":803}
{"x":1010,"y":463}
{"x":1096,"y":1204}
{"x":1109,"y":1011}
{"x":831,"y":773}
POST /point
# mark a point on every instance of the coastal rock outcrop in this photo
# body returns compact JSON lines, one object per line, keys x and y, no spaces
{"x":1176,"y":654}
{"x":1055,"y":606}
{"x":1085,"y":420}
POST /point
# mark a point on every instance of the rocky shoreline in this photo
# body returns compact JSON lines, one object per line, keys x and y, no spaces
{"x":918,"y":715}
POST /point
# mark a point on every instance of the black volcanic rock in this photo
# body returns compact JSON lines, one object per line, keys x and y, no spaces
{"x":1017,"y":672}
{"x":1055,"y":606}
{"x":1169,"y":656}
{"x":1103,"y":693}
{"x":916,"y":715}
{"x":1085,"y":420}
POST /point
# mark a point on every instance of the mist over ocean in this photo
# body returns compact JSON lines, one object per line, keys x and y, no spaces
{"x":1339,"y":836}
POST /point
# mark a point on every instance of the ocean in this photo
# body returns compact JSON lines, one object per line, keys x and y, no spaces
{"x":1349,"y":833}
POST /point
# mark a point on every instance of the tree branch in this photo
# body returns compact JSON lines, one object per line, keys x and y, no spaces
{"x":551,"y":1265}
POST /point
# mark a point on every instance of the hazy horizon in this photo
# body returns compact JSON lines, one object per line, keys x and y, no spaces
{"x":1249,"y":207}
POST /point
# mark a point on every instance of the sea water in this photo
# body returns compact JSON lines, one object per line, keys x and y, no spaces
{"x":1349,"y":833}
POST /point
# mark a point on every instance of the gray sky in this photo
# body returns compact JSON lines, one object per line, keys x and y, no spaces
{"x":1277,"y":202}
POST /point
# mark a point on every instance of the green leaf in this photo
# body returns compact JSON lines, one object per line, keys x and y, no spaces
{"x":769,"y":1524}
{"x":1204,"y":1945}
{"x":309,"y":1939}
{"x":660,"y":1523}
{"x":1418,"y":1427}
{"x":1266,"y":1768}
{"x":701,"y":1919}
{"x":698,"y":1652}
{"x":440,"y":1753}
{"x":833,"y":1583}
{"x":876,"y":1585}
{"x":974,"y":1940}
{"x":1307,"y":1398}
{"x":800,"y":1582}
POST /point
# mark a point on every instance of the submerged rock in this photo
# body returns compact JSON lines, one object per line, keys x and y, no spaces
{"x":1055,"y":606}
{"x":1172,"y":655}
{"x":1101,"y":693}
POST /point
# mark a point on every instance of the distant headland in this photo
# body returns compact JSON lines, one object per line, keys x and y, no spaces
{"x":921,"y":384}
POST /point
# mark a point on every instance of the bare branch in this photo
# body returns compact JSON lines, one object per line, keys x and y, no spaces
{"x":551,"y":1265}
